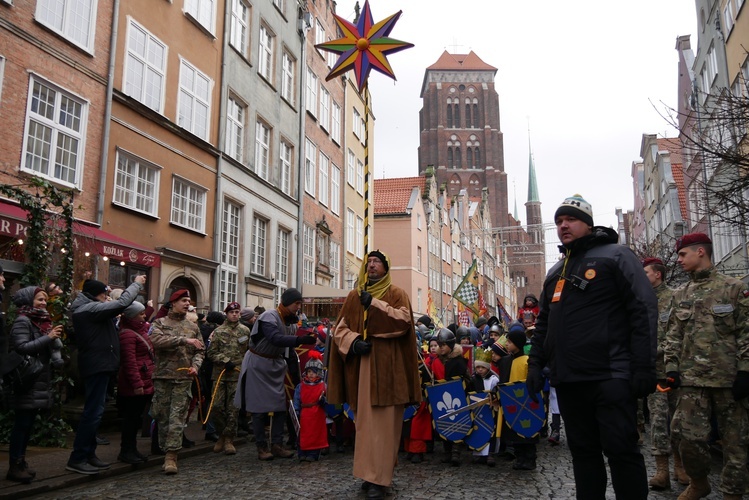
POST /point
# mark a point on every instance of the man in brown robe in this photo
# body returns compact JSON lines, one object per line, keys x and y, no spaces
{"x":373,"y":366}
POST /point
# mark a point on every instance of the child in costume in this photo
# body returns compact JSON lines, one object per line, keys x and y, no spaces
{"x":309,"y":403}
{"x":484,"y":379}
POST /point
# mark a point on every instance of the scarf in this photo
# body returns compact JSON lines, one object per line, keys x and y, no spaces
{"x":39,"y":317}
{"x":378,"y":289}
{"x":288,"y":317}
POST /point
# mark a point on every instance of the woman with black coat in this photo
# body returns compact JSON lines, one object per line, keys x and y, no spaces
{"x":32,"y":334}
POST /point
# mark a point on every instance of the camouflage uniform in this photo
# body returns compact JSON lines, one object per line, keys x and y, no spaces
{"x":661,"y":405}
{"x":229,"y":342}
{"x":707,"y":342}
{"x":172,"y":384}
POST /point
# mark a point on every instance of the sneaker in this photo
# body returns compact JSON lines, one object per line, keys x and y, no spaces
{"x":101,"y":440}
{"x":554,"y":438}
{"x":490,"y":461}
{"x":417,"y":458}
{"x":99,"y":464}
{"x":82,"y":468}
{"x":143,"y":458}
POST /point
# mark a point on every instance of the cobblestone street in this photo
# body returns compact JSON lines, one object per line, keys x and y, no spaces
{"x":242,"y":475}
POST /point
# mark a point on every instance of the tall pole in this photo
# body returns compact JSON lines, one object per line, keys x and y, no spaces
{"x":366,"y":168}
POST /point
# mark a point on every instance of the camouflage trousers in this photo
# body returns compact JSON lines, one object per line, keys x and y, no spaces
{"x":171,"y":400}
{"x":691,"y":426}
{"x":662,"y":406}
{"x":223,"y":412}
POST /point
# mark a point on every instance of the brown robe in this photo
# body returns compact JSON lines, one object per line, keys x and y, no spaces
{"x":377,"y":386}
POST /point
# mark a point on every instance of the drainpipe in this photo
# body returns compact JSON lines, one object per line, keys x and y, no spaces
{"x":107,"y":114}
{"x":302,"y":150}
{"x":218,"y":212}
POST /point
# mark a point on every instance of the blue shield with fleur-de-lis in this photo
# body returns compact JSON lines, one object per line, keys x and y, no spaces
{"x":521,"y":413}
{"x":484,"y":424}
{"x":444,"y":398}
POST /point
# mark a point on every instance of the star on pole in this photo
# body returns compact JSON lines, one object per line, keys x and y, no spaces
{"x":364,"y":47}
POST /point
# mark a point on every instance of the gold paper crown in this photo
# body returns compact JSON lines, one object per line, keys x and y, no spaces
{"x":483,"y":355}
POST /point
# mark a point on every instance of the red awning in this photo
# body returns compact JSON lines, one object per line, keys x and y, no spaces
{"x":13,"y":223}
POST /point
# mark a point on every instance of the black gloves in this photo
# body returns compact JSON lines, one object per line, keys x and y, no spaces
{"x":305,"y":340}
{"x":643,"y":384}
{"x":361,"y":347}
{"x":534,"y":382}
{"x":229,"y":366}
{"x":740,"y":387}
{"x":673,"y":380}
{"x":365,"y":298}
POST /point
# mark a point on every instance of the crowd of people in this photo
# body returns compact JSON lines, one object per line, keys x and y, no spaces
{"x":604,"y":334}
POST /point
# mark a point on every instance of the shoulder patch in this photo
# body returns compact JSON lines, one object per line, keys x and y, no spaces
{"x":745,"y":293}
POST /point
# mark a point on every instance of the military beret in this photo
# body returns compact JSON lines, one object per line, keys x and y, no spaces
{"x":233,"y":306}
{"x":178,"y":294}
{"x":650,"y":261}
{"x":693,"y":239}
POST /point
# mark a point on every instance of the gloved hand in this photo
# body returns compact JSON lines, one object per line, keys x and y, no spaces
{"x":365,"y":298}
{"x":740,"y":387}
{"x":361,"y":347}
{"x":534,"y":382}
{"x":643,"y":383}
{"x":229,"y":366}
{"x":305,"y":340}
{"x":673,"y":380}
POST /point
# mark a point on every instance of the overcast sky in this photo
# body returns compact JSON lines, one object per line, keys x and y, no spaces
{"x":585,"y":74}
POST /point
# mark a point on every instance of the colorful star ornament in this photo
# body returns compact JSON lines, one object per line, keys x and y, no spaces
{"x":364,"y":47}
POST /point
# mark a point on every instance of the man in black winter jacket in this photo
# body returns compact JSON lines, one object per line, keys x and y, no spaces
{"x":596,"y":331}
{"x":98,"y":359}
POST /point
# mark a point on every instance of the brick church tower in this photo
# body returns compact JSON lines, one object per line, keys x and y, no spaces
{"x":462,"y":139}
{"x":460,"y":135}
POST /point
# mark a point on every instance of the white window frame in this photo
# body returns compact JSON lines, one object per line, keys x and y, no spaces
{"x":282,"y":258}
{"x":148,"y":85}
{"x":194,"y":102}
{"x":235,"y":116}
{"x":288,"y":72}
{"x":311,"y":92}
{"x":322,"y":192}
{"x":308,"y":268}
{"x":280,"y":5}
{"x":285,"y":159}
{"x":335,"y":189}
{"x":204,"y":13}
{"x":359,"y":237}
{"x":335,"y":123}
{"x":239,"y":26}
{"x":320,"y":36}
{"x":310,"y":154}
{"x":266,"y":43}
{"x":188,"y":209}
{"x":259,"y":246}
{"x":136,"y":184}
{"x":262,"y":149}
{"x":2,"y":76}
{"x":357,"y":124}
{"x":359,"y":176}
{"x":230,"y":231}
{"x":74,"y":20}
{"x":350,"y":242}
{"x":324,"y":116}
{"x":335,"y":265}
{"x":351,"y":169}
{"x":46,"y":140}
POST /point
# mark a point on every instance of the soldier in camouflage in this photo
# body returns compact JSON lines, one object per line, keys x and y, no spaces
{"x":662,"y":404}
{"x":179,"y":354}
{"x":228,"y":344}
{"x":707,"y":360}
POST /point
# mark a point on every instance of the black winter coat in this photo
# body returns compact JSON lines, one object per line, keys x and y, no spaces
{"x":27,"y":338}
{"x":95,"y":331}
{"x":604,"y":325}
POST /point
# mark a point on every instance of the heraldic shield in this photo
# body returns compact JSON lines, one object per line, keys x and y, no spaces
{"x":446,"y":397}
{"x":522,"y":415}
{"x":483,"y":425}
{"x":409,"y":412}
